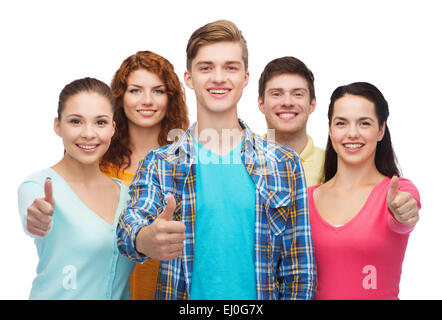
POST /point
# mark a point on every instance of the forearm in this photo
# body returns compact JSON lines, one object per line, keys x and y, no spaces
{"x":128,"y":230}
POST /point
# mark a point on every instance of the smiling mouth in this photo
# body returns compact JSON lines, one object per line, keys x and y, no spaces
{"x":353,"y":146}
{"x":88,"y":148}
{"x":219,"y":92}
{"x":286,"y":115}
{"x":147,"y":113}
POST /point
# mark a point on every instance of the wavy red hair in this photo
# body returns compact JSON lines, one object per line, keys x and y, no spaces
{"x":176,"y":116}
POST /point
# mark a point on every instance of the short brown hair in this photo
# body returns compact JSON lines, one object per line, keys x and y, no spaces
{"x":286,"y":65}
{"x":217,"y":31}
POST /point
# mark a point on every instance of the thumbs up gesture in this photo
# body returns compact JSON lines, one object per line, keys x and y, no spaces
{"x":40,"y":212}
{"x":402,"y":204}
{"x":164,"y":238}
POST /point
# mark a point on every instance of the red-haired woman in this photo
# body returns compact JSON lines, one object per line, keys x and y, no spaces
{"x":150,"y":102}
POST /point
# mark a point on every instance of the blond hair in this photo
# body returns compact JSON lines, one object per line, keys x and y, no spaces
{"x":217,"y":31}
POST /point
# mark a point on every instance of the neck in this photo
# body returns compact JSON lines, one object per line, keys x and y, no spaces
{"x":219,"y":132}
{"x":295,"y":141}
{"x":73,"y":171}
{"x":143,"y":140}
{"x":348,"y":176}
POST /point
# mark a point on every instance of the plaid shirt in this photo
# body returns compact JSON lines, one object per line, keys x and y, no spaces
{"x":284,"y":259}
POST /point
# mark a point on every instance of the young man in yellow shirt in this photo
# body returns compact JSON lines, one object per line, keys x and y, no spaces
{"x":287,"y":98}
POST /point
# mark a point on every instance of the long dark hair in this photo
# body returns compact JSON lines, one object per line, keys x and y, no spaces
{"x":385,"y":158}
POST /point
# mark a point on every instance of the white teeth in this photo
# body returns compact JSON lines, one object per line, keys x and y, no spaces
{"x":218,"y":91}
{"x":286,"y":115}
{"x":87,"y":147}
{"x":353,"y":145}
{"x":146,"y":112}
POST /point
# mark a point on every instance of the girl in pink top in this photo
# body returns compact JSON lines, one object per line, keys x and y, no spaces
{"x":362,"y":215}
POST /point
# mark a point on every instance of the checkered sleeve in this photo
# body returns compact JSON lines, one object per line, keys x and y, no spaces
{"x":297,"y":271}
{"x":144,"y":205}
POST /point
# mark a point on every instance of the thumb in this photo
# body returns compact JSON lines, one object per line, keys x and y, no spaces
{"x":394,"y":184}
{"x":167,"y":214}
{"x":48,"y":191}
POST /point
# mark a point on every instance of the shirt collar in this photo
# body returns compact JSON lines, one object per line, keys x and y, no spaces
{"x":184,"y":145}
{"x":307,"y":153}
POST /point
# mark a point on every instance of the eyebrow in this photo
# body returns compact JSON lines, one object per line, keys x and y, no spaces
{"x":360,"y":119}
{"x":138,"y":86}
{"x":80,"y":116}
{"x":282,"y":89}
{"x":211,"y":62}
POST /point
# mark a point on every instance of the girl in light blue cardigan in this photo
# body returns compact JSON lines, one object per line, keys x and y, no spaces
{"x":72,"y":209}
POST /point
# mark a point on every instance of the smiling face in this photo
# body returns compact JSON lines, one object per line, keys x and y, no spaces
{"x":286,"y":103}
{"x":145,"y":100}
{"x":354,"y":130}
{"x":218,"y":77}
{"x":86,"y":127}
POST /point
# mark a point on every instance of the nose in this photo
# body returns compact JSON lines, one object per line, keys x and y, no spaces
{"x":146,"y":98}
{"x":88,"y":132}
{"x":287,"y":100}
{"x":218,"y":75}
{"x":353,"y":131}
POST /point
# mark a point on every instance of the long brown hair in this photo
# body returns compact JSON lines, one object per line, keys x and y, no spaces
{"x":176,"y":116}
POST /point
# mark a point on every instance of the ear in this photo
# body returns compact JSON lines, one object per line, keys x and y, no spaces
{"x":188,"y":79}
{"x":57,"y":127}
{"x":312,"y":106}
{"x":382,"y":131}
{"x":113,"y":127}
{"x":246,"y":78}
{"x":261,"y":105}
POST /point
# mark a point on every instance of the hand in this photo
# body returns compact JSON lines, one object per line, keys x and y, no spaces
{"x":164,"y":238}
{"x":40,"y":212}
{"x":402,"y":204}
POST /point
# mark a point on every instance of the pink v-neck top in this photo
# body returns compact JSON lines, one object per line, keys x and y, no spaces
{"x":361,"y":259}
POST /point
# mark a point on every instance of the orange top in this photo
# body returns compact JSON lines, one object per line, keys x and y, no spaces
{"x":143,"y":280}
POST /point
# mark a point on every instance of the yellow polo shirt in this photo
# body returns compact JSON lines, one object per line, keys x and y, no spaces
{"x":312,"y":159}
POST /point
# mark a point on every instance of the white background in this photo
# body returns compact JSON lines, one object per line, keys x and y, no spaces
{"x":393,"y":44}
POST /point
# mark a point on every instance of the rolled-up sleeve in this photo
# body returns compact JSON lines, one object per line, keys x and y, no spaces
{"x":144,"y":205}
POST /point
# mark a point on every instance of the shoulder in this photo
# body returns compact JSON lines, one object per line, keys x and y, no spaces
{"x":311,"y":189}
{"x":274,"y":151}
{"x":172,"y":152}
{"x":408,"y":186}
{"x":39,"y":177}
{"x":317,"y":152}
{"x":405,"y":185}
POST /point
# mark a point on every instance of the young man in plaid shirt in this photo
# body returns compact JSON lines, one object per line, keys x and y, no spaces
{"x":225,"y":210}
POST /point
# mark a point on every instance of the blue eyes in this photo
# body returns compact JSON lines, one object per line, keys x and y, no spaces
{"x":155,"y":91}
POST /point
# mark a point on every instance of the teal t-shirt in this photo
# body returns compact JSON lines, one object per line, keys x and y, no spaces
{"x":223,"y":266}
